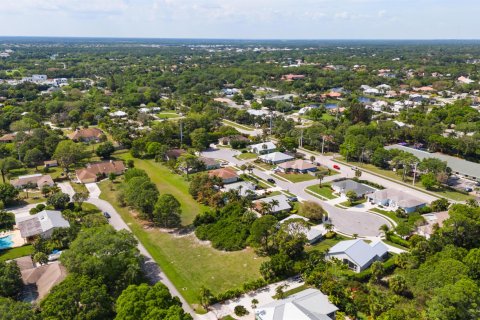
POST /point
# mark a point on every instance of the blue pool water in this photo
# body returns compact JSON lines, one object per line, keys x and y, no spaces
{"x":330,"y":106}
{"x":6,"y":242}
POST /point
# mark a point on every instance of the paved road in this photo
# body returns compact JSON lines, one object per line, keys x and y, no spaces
{"x":345,"y":221}
{"x":152,"y":270}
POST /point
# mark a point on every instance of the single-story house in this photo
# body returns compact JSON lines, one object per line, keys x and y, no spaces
{"x":41,"y":224}
{"x":431,"y":221}
{"x":174,"y":154}
{"x":227,"y":175}
{"x":314,"y":233}
{"x":118,"y":114}
{"x":7,"y":138}
{"x":86,"y":135}
{"x":38,"y":180}
{"x":225,"y":141}
{"x":343,"y":186}
{"x":50,"y":163}
{"x":300,"y":166}
{"x":210,"y":163}
{"x":244,"y":188}
{"x":39,"y":280}
{"x":394,"y":199}
{"x":275,"y":157}
{"x":263,"y":148}
{"x":94,"y":171}
{"x":309,"y":304}
{"x":282,"y":206}
{"x":357,"y":254}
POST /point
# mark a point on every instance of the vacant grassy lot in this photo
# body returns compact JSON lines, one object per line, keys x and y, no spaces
{"x":324,"y":191}
{"x":14,"y":253}
{"x":187,"y":262}
{"x":296,"y":177}
{"x":324,"y":245}
{"x":168,"y":182}
{"x":167,"y":115}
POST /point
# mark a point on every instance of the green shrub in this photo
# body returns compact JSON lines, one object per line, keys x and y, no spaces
{"x":240,"y":311}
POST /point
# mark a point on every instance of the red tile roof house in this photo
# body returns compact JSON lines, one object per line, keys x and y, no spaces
{"x":94,"y":171}
{"x":291,"y":77}
{"x":87,"y":135}
{"x":228,"y":175}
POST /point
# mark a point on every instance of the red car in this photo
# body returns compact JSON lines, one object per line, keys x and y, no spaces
{"x":336,"y":167}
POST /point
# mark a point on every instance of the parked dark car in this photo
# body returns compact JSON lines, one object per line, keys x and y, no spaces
{"x":293,"y":199}
{"x":107,"y":215}
{"x":271,"y":180}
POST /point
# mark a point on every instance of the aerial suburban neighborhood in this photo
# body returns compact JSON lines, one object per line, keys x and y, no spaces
{"x":205,"y":179}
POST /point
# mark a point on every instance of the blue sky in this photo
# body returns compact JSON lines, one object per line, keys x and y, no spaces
{"x":247,"y":19}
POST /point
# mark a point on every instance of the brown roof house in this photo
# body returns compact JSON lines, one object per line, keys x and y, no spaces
{"x":94,"y":171}
{"x":299,"y":165}
{"x":228,"y":175}
{"x":9,"y":137}
{"x":34,"y":180}
{"x":87,"y":135}
{"x":39,"y":280}
{"x":174,"y":154}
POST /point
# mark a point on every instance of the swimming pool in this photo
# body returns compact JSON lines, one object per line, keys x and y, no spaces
{"x":6,"y":242}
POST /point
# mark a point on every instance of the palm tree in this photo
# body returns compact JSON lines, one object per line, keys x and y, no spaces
{"x":274,"y":203}
{"x":320,"y":176}
{"x":265,"y":208}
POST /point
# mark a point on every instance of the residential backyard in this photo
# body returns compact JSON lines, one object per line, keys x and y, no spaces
{"x":9,"y":254}
{"x":188,"y":262}
{"x":246,"y":156}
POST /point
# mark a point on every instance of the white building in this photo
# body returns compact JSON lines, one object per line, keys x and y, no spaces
{"x":41,"y":224}
{"x":357,"y":254}
{"x":263,"y":148}
{"x":309,"y":304}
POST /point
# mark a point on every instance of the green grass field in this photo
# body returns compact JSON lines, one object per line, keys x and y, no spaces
{"x":387,"y":213}
{"x":187,"y":262}
{"x":167,"y":182}
{"x":14,"y":253}
{"x":296,"y":177}
{"x":324,"y":191}
{"x":167,"y":115}
{"x":355,"y":203}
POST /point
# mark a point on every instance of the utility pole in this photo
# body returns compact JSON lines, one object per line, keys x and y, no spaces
{"x":301,"y":139}
{"x":414,"y":173}
{"x":323,"y":142}
{"x":181,"y":133}
{"x":271,"y":116}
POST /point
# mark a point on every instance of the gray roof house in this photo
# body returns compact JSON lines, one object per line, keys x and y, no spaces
{"x":283,"y":204}
{"x":263,"y":147}
{"x":394,"y":199}
{"x":344,"y":186}
{"x":42,"y":224}
{"x":309,"y":304}
{"x":244,"y":188}
{"x":357,"y":254}
{"x":275,"y":157}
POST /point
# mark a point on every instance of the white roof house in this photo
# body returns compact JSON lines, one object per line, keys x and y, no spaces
{"x":258,"y":113}
{"x":394,"y":199}
{"x":309,"y":304}
{"x":276,"y":157}
{"x":118,"y":114}
{"x":358,"y":254}
{"x":244,"y":188}
{"x":42,"y":223}
{"x":263,"y":147}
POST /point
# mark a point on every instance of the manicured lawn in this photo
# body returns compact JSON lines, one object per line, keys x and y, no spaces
{"x":324,"y":191}
{"x":273,"y":194}
{"x":355,"y":203}
{"x":390,"y":214}
{"x":187,"y":262}
{"x":324,"y":245}
{"x":32,"y":198}
{"x":79,"y":187}
{"x":14,"y":253}
{"x":247,"y":156}
{"x":237,"y":125}
{"x":445,"y":193}
{"x":168,"y":182}
{"x":263,"y":165}
{"x":296,"y":177}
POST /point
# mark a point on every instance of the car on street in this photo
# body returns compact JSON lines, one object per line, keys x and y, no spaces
{"x":271,"y":180}
{"x":107,"y":215}
{"x":292,"y":199}
{"x":336,"y":167}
